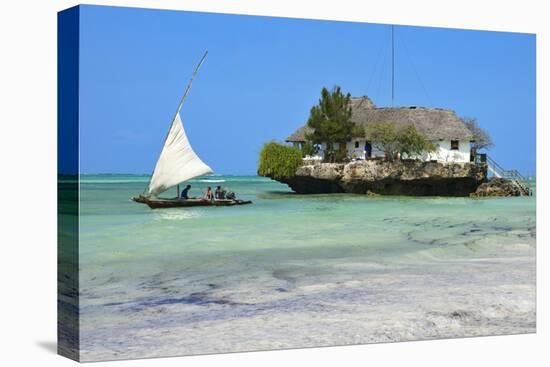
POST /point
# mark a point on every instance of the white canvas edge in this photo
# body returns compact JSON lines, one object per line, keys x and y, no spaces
{"x":28,"y":75}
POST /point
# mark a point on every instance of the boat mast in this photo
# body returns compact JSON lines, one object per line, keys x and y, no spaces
{"x":179,"y":109}
{"x":189,"y":85}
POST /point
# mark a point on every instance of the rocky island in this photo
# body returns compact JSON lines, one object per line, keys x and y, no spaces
{"x":409,"y":178}
{"x":388,"y":178}
{"x":349,"y":145}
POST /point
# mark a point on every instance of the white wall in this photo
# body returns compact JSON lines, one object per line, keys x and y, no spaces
{"x":356,"y":152}
{"x":323,"y":147}
{"x":443,"y":152}
{"x":360,"y":151}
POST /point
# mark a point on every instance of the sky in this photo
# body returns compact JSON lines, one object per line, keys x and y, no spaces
{"x":263,"y":74}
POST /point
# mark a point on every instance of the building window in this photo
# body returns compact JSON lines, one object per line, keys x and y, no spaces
{"x":454,"y":144}
{"x":357,"y":144}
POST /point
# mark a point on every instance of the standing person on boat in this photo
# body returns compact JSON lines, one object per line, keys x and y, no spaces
{"x":185,"y":192}
{"x":219,"y":194}
{"x":209,"y":195}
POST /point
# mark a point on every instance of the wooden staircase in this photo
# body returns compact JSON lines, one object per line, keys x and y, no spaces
{"x":512,"y":175}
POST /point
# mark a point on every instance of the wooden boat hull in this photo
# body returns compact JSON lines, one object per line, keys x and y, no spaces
{"x":184,"y":203}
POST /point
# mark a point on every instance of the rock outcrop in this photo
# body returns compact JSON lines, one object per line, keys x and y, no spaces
{"x":497,"y":187}
{"x":380,"y":177}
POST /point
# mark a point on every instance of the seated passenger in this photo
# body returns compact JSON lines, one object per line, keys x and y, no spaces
{"x":185,"y":192}
{"x":209,"y":195}
{"x":219,"y":194}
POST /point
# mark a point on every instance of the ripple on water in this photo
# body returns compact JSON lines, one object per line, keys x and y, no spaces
{"x":177,"y":214}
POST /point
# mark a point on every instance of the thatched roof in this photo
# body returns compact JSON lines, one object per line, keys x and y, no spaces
{"x":434,"y":123}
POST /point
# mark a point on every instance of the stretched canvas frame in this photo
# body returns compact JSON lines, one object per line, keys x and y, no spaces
{"x":295,"y":274}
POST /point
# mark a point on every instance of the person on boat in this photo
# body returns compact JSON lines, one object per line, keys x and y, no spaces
{"x":209,"y":194}
{"x":219,"y":194}
{"x":185,"y":192}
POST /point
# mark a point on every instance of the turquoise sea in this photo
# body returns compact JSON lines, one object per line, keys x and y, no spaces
{"x":294,"y":271}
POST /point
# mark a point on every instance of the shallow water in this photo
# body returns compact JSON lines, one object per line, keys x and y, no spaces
{"x":297,"y":271}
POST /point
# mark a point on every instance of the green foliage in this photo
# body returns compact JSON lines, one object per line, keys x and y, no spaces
{"x":404,"y":142}
{"x":279,"y":161}
{"x":341,"y":154}
{"x":331,"y":122}
{"x":358,"y":132}
{"x":330,"y":153}
{"x":383,"y":136}
{"x":309,"y":149}
{"x":411,"y":143}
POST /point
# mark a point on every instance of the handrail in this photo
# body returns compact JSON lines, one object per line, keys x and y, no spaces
{"x":512,"y":175}
{"x":492,"y":161}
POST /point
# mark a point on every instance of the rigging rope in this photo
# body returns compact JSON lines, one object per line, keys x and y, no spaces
{"x":376,"y":65}
{"x":381,"y":75}
{"x":382,"y":68}
{"x":407,"y":52}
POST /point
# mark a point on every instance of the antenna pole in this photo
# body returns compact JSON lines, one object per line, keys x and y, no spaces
{"x":392,"y":67}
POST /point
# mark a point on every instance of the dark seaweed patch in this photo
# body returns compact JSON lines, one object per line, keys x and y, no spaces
{"x":460,"y":315}
{"x":113,"y":304}
{"x":199,"y":299}
{"x":503,"y":228}
{"x":192,"y":299}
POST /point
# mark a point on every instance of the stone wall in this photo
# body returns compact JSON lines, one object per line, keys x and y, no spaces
{"x":389,"y":178}
{"x":497,"y":187}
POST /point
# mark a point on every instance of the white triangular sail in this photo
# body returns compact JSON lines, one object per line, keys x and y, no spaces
{"x":177,"y":162}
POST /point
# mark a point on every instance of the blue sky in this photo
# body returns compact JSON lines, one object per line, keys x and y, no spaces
{"x":263,"y":75}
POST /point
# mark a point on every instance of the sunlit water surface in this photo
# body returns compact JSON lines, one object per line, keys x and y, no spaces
{"x":297,"y":271}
